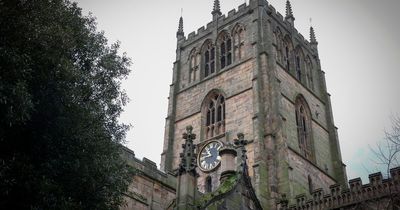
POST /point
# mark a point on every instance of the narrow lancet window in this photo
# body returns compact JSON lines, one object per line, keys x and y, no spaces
{"x":303,"y":122}
{"x":226,"y":51}
{"x":298,"y":68}
{"x":209,"y":60}
{"x":309,"y":73}
{"x":193,"y":66}
{"x":238,"y":42}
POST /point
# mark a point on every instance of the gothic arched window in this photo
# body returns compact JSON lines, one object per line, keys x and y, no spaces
{"x":215,"y":115}
{"x":298,"y":67}
{"x":193,"y":66}
{"x":279,"y":45}
{"x":287,"y":51}
{"x":238,"y":42}
{"x":309,"y":73}
{"x":303,"y":122}
{"x":225,"y":46}
{"x":209,"y":59}
{"x":299,"y":64}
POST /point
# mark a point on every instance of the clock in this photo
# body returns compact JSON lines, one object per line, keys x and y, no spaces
{"x":209,"y":158}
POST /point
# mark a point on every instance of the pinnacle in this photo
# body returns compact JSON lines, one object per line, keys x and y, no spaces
{"x":289,"y":12}
{"x":216,"y":8}
{"x":180,"y":28}
{"x":313,"y":40}
{"x":188,"y":157}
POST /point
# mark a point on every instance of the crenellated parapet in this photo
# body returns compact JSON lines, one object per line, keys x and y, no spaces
{"x":376,"y":194}
{"x":148,"y":168}
{"x":149,"y":187}
{"x":222,"y":21}
{"x":244,"y":9}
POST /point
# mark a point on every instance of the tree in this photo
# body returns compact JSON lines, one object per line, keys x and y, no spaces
{"x":387,"y":154}
{"x":60,"y":99}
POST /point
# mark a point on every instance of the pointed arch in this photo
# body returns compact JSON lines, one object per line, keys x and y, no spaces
{"x":208,"y":58}
{"x":304,"y":131}
{"x":194,"y":60}
{"x":299,"y":63}
{"x":287,"y":52}
{"x":213,"y":109}
{"x":238,"y":41}
{"x":224,"y":43}
{"x":308,"y":66}
{"x":279,"y":45}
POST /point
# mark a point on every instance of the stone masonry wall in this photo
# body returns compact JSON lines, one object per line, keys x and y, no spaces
{"x":290,"y":90}
{"x":150,"y":188}
{"x":300,"y":169}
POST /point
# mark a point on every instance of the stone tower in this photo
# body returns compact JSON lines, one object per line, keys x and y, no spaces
{"x":250,"y":71}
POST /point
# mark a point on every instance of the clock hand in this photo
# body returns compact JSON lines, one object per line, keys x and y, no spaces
{"x":209,"y":153}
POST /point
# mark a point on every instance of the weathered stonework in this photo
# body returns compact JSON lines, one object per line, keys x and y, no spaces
{"x":260,"y":89}
{"x":268,"y":86}
{"x":378,"y":194}
{"x":150,"y":187}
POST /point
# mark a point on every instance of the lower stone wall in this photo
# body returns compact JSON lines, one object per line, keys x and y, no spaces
{"x":299,"y":172}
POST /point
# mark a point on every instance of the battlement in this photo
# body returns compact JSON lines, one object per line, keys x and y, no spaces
{"x":242,"y":10}
{"x":147,"y":168}
{"x":286,"y":26}
{"x":222,"y":21}
{"x":378,"y":189}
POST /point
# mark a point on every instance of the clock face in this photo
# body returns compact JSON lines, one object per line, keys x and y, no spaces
{"x":209,"y":157}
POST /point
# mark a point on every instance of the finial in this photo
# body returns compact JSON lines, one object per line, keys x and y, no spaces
{"x":180,"y":32}
{"x":216,"y":9}
{"x":313,"y":40}
{"x":188,"y":157}
{"x":289,"y":12}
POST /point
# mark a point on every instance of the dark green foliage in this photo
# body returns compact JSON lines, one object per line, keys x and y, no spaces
{"x":60,"y":98}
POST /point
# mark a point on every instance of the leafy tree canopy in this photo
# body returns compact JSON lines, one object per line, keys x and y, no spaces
{"x":60,"y":99}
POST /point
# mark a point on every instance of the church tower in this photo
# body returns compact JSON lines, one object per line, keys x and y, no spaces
{"x":251,"y":72}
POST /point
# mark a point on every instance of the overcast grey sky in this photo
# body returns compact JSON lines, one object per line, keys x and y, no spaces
{"x":359,"y":49}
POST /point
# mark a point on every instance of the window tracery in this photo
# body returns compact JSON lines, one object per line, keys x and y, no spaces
{"x":287,"y":53}
{"x":309,"y":73}
{"x":279,"y":46}
{"x":215,"y":115}
{"x":209,"y":59}
{"x":238,"y":39}
{"x":225,"y":48}
{"x":303,"y":122}
{"x":193,"y":66}
{"x":299,"y":64}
